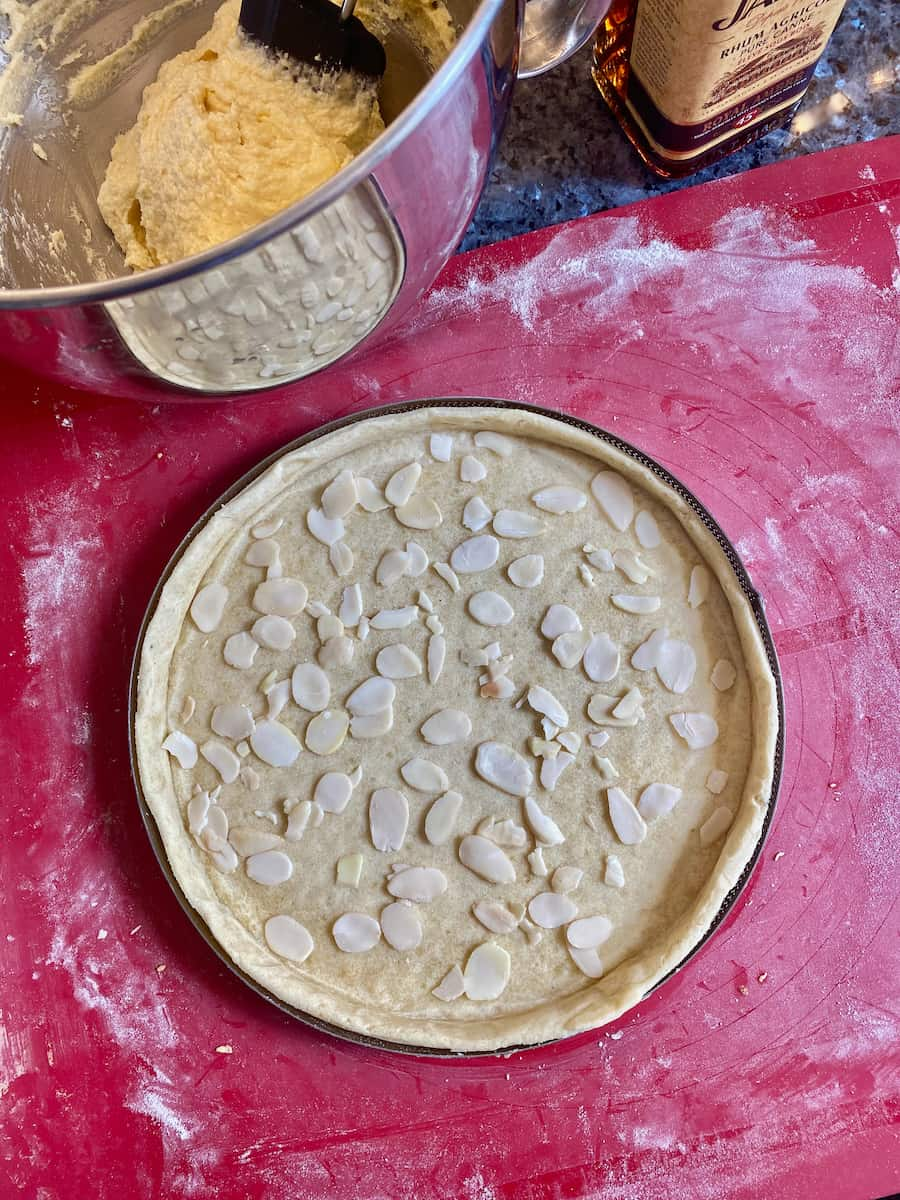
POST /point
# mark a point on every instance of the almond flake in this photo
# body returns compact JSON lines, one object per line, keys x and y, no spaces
{"x":588,"y":962}
{"x":501,"y":688}
{"x":494,"y":916}
{"x":558,"y":619}
{"x":545,"y":703}
{"x":277,"y":697}
{"x":224,"y":760}
{"x":420,"y":885}
{"x":646,"y":656}
{"x":536,"y":862}
{"x":440,"y":446}
{"x":240,"y":650}
{"x":570,"y":740}
{"x":281,"y":597}
{"x":270,"y":868}
{"x":188,"y":708}
{"x":182,"y":748}
{"x":274,"y":744}
{"x":628,"y":823}
{"x":601,"y":559}
{"x":317,"y":609}
{"x":448,"y":575}
{"x":391,"y":567}
{"x":526,"y":572}
{"x":629,"y":707}
{"x":369,"y":496}
{"x":476,"y":514}
{"x":635,"y":604}
{"x":723,"y":675}
{"x":503,"y":833}
{"x":337,"y":652}
{"x":646,"y":530}
{"x":372,"y":726}
{"x":333,"y":791}
{"x":288,"y":938}
{"x":208,"y":606}
{"x":471,"y":470}
{"x":325,"y":733}
{"x":716,"y":781}
{"x":446,"y":727}
{"x":265,"y":529}
{"x":598,"y":739}
{"x":566,"y":879}
{"x":349,"y":870}
{"x":402,"y":484}
{"x":215,"y":829}
{"x":676,"y":665}
{"x":397,"y":661}
{"x":362,"y":629}
{"x":232,"y":721}
{"x":549,"y":910}
{"x":658,"y":799}
{"x":486,"y":859}
{"x":435,"y":655}
{"x":614,"y":875}
{"x":510,"y":523}
{"x":504,"y":768}
{"x":490,"y":609}
{"x":341,"y":558}
{"x":587,"y":933}
{"x":424,"y":776}
{"x":252,"y":841}
{"x":552,"y":769}
{"x":601,"y":709}
{"x":351,"y":606}
{"x":373,"y":695}
{"x":560,"y":499}
{"x":340,"y":496}
{"x":487,"y":972}
{"x":475,"y":554}
{"x":614,"y":496}
{"x":543,"y":827}
{"x":495,"y":442}
{"x":607,"y":771}
{"x":355,"y":933}
{"x":631,"y":566}
{"x":713,"y":827}
{"x":425,"y":602}
{"x":451,"y":987}
{"x":533,"y":935}
{"x":395,"y":618}
{"x":441,"y":818}
{"x":329,"y":626}
{"x":265,"y":553}
{"x":388,"y":819}
{"x":400,"y":926}
{"x":324,"y":529}
{"x":698,"y":729}
{"x":543,"y":749}
{"x":568,"y":649}
{"x":698,"y":589}
{"x":310,"y":687}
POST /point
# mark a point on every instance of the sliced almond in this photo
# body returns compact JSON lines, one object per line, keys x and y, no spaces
{"x":504,"y":768}
{"x":373,"y":695}
{"x":698,"y":729}
{"x":657,"y":799}
{"x":215,"y":830}
{"x":274,"y":744}
{"x":391,"y":567}
{"x":266,"y":529}
{"x":613,"y":875}
{"x":543,"y":827}
{"x":420,"y":885}
{"x":275,"y":633}
{"x":614,"y":496}
{"x":317,"y":609}
{"x":351,"y":607}
{"x":536,"y":862}
{"x":222,"y":759}
{"x":628,"y":823}
{"x":566,"y":879}
{"x":511,"y":523}
{"x":487,"y":972}
{"x":232,"y":721}
{"x":602,"y":709}
{"x":486,"y":859}
{"x":598,"y":739}
{"x":490,"y":609}
{"x":281,"y":597}
{"x":401,"y":927}
{"x":646,"y":656}
{"x":356,"y":933}
{"x":495,"y":916}
{"x":240,"y":650}
{"x":348,"y":871}
{"x":333,"y":791}
{"x":395,"y":618}
{"x":631,"y":566}
{"x":723,"y":675}
{"x":451,"y":987}
{"x":326,"y":530}
{"x":503,"y":833}
{"x":441,"y":818}
{"x":471,"y":470}
{"x":716,"y":782}
{"x":374,"y":725}
{"x":568,"y":649}
{"x":208,"y":606}
{"x":585,"y":572}
{"x":552,"y":769}
{"x":526,"y":572}
{"x":560,"y":499}
{"x":388,"y":819}
{"x":646,"y":530}
{"x":252,"y":841}
{"x":424,"y":776}
{"x":264,"y":553}
{"x":676,"y":665}
{"x":369,"y":496}
{"x":329,"y":626}
{"x":288,"y":938}
{"x":446,"y":727}
{"x":502,"y":688}
{"x":475,"y":554}
{"x":588,"y":962}
{"x":698,"y":588}
{"x":326,"y":732}
{"x":436,"y":655}
{"x":421,"y":512}
{"x":600,"y":558}
{"x":559,"y":618}
{"x":545,"y":703}
{"x":543,"y":749}
{"x":714,"y":826}
{"x":337,"y":652}
{"x":448,"y":575}
{"x":550,"y":910}
{"x":587,"y":933}
{"x":341,"y":557}
{"x":605,"y":767}
{"x":397,"y":661}
{"x":629,"y":707}
{"x":402,"y":484}
{"x":570,"y":740}
{"x":270,"y":868}
{"x":476,"y":514}
{"x":340,"y":496}
{"x":362,"y":629}
{"x":635,"y":604}
{"x":188,"y":708}
{"x":416,"y":559}
{"x":440,"y":446}
{"x":310,"y":687}
{"x":182,"y":748}
{"x":495,"y":442}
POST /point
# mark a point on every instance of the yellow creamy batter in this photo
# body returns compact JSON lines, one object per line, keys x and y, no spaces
{"x":227,"y":136}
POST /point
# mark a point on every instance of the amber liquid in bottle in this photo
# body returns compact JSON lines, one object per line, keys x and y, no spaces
{"x":745,"y":63}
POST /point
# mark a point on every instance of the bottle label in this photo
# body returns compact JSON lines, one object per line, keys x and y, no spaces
{"x":703,"y":69}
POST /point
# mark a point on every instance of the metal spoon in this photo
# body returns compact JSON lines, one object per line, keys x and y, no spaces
{"x":315,"y":32}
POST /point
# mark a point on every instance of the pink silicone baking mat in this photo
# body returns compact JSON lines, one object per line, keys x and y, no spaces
{"x":745,"y":335}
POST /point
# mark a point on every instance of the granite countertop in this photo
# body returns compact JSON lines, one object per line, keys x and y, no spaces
{"x":564,"y":156}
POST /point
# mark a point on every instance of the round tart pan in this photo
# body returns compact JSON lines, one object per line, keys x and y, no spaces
{"x":753,"y":598}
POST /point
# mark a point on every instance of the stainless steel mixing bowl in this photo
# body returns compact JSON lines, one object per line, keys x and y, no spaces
{"x":313,"y":284}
